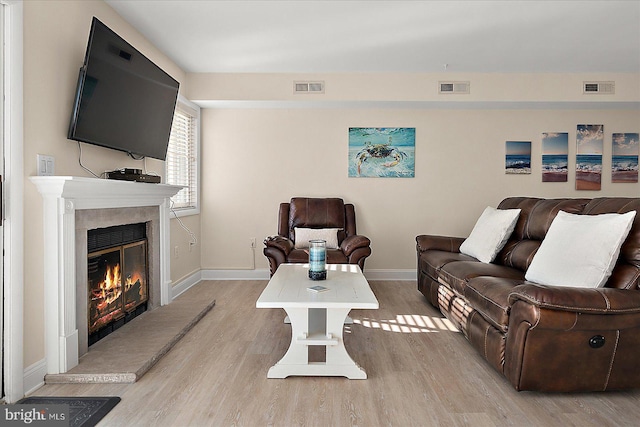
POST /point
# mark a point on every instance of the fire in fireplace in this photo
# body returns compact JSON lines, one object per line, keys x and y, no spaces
{"x":117,"y":277}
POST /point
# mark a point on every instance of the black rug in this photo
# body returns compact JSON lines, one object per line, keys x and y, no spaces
{"x":83,"y":411}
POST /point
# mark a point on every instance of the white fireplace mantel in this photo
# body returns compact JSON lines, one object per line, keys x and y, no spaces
{"x":63,"y":196}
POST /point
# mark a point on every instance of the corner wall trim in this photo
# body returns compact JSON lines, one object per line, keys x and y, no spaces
{"x":13,"y":288}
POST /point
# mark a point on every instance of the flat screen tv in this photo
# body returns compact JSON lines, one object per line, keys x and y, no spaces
{"x":123,"y":100}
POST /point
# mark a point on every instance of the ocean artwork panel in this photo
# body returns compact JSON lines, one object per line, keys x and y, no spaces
{"x":555,"y":156}
{"x":518,"y":157}
{"x":589,"y":141}
{"x":624,"y":157}
{"x":382,"y":152}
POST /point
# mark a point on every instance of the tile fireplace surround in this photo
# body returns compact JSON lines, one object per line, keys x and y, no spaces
{"x":71,"y":206}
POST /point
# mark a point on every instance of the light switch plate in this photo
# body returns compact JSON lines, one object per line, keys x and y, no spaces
{"x":46,"y":165}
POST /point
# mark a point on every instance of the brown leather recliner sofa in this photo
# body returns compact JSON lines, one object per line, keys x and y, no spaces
{"x":316,"y":213}
{"x":544,"y":338}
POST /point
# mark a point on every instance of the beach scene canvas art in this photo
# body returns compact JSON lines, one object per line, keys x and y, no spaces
{"x":518,"y":157}
{"x":382,"y":152}
{"x":624,"y":157}
{"x":589,"y":140}
{"x":555,"y":156}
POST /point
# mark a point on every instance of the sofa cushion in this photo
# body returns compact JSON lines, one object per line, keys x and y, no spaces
{"x":431,"y":261}
{"x":545,"y":211}
{"x":490,"y":233}
{"x":456,"y":274}
{"x":580,"y":250}
{"x":535,"y":218}
{"x":626,"y":274}
{"x":630,"y":250}
{"x":518,"y":253}
{"x":526,"y":205}
{"x":490,"y":297}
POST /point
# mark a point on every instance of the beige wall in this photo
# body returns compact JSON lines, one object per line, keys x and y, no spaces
{"x":393,"y":87}
{"x":262,"y":144}
{"x":55,"y":40}
{"x":254,"y":159}
{"x":187,"y":260}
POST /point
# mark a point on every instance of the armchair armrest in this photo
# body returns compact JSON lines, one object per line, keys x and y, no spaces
{"x":354,"y":242}
{"x":279,"y":242}
{"x":425,"y":242}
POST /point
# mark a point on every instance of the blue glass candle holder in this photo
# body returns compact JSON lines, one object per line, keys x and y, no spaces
{"x":317,"y":259}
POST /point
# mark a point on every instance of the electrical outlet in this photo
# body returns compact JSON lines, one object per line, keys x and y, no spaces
{"x":253,"y":242}
{"x":176,"y":253}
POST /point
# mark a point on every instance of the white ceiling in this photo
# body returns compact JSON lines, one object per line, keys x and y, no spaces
{"x":392,"y":36}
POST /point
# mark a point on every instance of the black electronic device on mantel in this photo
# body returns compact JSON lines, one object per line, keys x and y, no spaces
{"x":123,"y":100}
{"x":132,"y":175}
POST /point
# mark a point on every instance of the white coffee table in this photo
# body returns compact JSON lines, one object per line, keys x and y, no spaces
{"x":317,"y":318}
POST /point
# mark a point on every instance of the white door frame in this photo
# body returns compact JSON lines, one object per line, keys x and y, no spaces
{"x":13,"y":261}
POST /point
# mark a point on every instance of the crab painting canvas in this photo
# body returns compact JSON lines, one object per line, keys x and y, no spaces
{"x":382,"y":152}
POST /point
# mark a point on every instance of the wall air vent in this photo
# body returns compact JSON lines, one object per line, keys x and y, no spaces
{"x":308,"y":87}
{"x":454,"y":87}
{"x":603,"y":88}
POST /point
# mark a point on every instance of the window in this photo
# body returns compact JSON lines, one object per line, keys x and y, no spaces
{"x":182,"y":157}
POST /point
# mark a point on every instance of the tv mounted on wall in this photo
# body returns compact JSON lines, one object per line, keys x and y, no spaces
{"x":123,"y":100}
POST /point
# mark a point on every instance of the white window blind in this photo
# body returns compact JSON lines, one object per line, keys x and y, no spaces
{"x":182,"y":156}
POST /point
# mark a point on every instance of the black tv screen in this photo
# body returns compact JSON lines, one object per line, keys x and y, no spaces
{"x":123,"y":100}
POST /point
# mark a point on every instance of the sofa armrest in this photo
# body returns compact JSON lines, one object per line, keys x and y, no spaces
{"x":440,"y":243}
{"x":582,"y":300}
{"x":564,"y":339}
{"x":279,"y":242}
{"x":354,"y":242}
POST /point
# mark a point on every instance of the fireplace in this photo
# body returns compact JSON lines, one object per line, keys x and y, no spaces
{"x":118,"y":283}
{"x":71,"y":207}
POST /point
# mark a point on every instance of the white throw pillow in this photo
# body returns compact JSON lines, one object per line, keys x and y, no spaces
{"x":303,"y":235}
{"x":580,"y":250}
{"x":490,"y":234}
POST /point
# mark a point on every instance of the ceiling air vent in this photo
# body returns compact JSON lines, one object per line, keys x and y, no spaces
{"x":606,"y":88}
{"x":454,"y":87}
{"x":308,"y":87}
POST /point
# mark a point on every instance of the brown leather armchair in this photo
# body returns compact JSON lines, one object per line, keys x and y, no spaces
{"x":316,"y":213}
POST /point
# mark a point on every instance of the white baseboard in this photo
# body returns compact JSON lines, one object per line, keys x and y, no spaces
{"x":263,"y":274}
{"x":183,"y":285}
{"x":258,"y":274}
{"x":34,"y":376}
{"x":388,"y":274}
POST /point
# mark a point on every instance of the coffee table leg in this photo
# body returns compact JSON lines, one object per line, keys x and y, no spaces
{"x":304,"y":332}
{"x":338,"y":359}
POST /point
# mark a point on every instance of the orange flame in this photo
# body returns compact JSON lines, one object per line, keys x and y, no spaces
{"x":110,"y":287}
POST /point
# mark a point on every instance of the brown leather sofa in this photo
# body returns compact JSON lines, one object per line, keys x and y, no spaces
{"x":544,"y":338}
{"x":316,"y":213}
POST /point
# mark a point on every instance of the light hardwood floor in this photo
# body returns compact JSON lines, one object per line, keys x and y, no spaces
{"x":421,"y":373}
